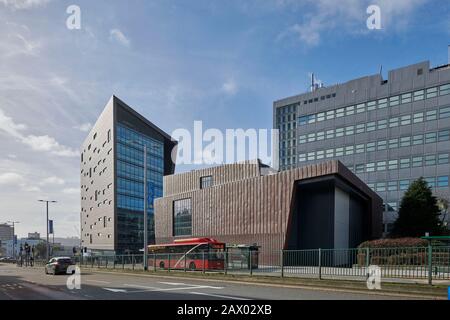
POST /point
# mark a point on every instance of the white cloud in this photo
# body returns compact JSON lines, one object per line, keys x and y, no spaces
{"x":52,"y":181}
{"x":117,"y":35}
{"x":11,"y":178}
{"x":37,"y":143}
{"x":230,"y":87}
{"x":71,"y":191}
{"x":85,"y":127}
{"x":23,"y":4}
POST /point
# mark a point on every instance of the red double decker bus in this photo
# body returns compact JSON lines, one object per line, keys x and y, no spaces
{"x":191,"y":254}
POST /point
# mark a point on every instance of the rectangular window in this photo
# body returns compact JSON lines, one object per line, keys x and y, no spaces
{"x":418,"y":139}
{"x":382,"y":103}
{"x":430,"y":137}
{"x":381,"y":145}
{"x":432,"y":92}
{"x":381,"y":165}
{"x":394,"y":101}
{"x":350,"y":130}
{"x":444,"y":113}
{"x":302,"y":139}
{"x":370,"y":147}
{"x":393,"y":164}
{"x":393,"y":143}
{"x":329,"y":153}
{"x":430,"y":160}
{"x":382,"y":124}
{"x":405,"y":141}
{"x":419,"y":95}
{"x":360,"y":108}
{"x":340,"y":112}
{"x":405,"y":163}
{"x":370,"y":126}
{"x":418,"y":117}
{"x":444,"y":135}
{"x":349,"y":150}
{"x":371,"y":105}
{"x":339,"y":152}
{"x":320,"y":155}
{"x":330,"y":134}
{"x":359,"y":168}
{"x":380,"y":187}
{"x":392,"y":186}
{"x":445,"y":89}
{"x":206,"y":182}
{"x":311,"y":137}
{"x":330,"y":115}
{"x":393,"y":122}
{"x":403,"y":185}
{"x":443,"y":158}
{"x":405,"y":120}
{"x":321,"y":116}
{"x":431,"y":182}
{"x":303,"y":120}
{"x":182,"y":217}
{"x":360,"y":128}
{"x":339,"y":132}
{"x":431,"y":115}
{"x":109,"y":135}
{"x":350,"y":110}
{"x":360,"y":148}
{"x":417,"y":162}
{"x":312,"y":118}
{"x":311,"y":156}
{"x":442,"y":182}
{"x":370,"y":167}
{"x":320,"y":136}
{"x":406,"y":98}
{"x":302,"y":157}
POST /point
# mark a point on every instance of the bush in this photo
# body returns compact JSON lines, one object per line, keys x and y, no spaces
{"x":394,"y":243}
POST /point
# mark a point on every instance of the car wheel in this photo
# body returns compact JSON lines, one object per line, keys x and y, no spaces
{"x":192,"y":266}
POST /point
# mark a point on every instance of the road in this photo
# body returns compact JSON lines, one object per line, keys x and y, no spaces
{"x":32,"y":283}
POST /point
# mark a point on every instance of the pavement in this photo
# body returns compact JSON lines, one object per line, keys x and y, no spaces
{"x":33,"y":284}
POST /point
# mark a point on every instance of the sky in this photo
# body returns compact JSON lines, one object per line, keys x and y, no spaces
{"x":220,"y":61}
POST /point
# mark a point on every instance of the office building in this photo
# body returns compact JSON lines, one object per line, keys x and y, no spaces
{"x":112,"y":179}
{"x":316,"y":206}
{"x":6,"y":232}
{"x":388,"y":132}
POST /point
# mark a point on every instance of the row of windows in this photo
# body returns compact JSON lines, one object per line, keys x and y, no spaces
{"x":406,"y":141}
{"x":375,"y":125}
{"x":134,"y":172}
{"x":136,"y":189}
{"x":130,"y":154}
{"x":137,"y":140}
{"x":132,"y":203}
{"x":402,"y":185}
{"x":376,"y":104}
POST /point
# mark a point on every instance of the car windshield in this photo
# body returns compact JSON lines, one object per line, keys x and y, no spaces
{"x":65,"y":260}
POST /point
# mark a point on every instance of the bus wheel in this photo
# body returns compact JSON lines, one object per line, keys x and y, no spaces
{"x":161,"y":265}
{"x":192,"y":266}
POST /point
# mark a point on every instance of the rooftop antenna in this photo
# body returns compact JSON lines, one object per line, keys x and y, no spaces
{"x":313,"y":83}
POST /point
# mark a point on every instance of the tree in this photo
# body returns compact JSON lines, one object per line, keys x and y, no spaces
{"x":419,"y":212}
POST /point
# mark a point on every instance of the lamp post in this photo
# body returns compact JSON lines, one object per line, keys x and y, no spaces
{"x":14,"y":238}
{"x":48,"y":246}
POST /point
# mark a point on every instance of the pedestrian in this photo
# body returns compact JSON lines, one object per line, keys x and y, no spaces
{"x":32,"y":257}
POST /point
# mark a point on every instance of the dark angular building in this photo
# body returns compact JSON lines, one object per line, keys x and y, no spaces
{"x":112,"y":179}
{"x":317,"y":206}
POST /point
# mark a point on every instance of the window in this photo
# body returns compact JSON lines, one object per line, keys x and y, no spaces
{"x":349,"y":130}
{"x":109,"y":135}
{"x":330,"y":115}
{"x":370,"y":167}
{"x":445,"y":89}
{"x":206,"y":182}
{"x":329,"y":153}
{"x":339,"y":132}
{"x":370,"y":126}
{"x":405,"y":163}
{"x":360,"y":108}
{"x":418,"y":117}
{"x":381,"y":165}
{"x":360,"y":148}
{"x":311,"y":156}
{"x":340,"y":112}
{"x":311,"y":118}
{"x":311,"y":137}
{"x":392,"y":186}
{"x":442,"y":182}
{"x":430,"y":137}
{"x":382,"y":145}
{"x":330,"y":134}
{"x":405,"y":120}
{"x":403,"y":185}
{"x":382,"y":124}
{"x":443,"y":158}
{"x":371,"y":105}
{"x":394,"y":101}
{"x":444,"y":135}
{"x":393,"y":122}
{"x":360,"y":128}
{"x":406,"y":98}
{"x":370,"y":147}
{"x":321,"y":117}
{"x":380,"y":187}
{"x":302,"y":139}
{"x":430,"y":160}
{"x":432,"y":92}
{"x":182,"y":217}
{"x":444,"y":113}
{"x":431,"y":115}
{"x":320,"y":155}
{"x":350,"y":110}
{"x":359,"y":168}
{"x":320,"y":136}
{"x":405,"y":141}
{"x":417,"y":162}
{"x":302,"y":157}
{"x":393,"y":143}
{"x":339,"y":152}
{"x":303,"y":120}
{"x":382,"y":103}
{"x":419,"y":95}
{"x":393,"y":164}
{"x":349,"y":150}
{"x":418,"y":139}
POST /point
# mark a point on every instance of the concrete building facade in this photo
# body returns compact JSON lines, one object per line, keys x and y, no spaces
{"x":388,"y":132}
{"x":6,"y":232}
{"x":112,"y":179}
{"x":321,"y":205}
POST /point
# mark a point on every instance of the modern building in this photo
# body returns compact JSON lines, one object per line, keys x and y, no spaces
{"x":388,"y":132}
{"x":34,"y":235}
{"x":6,"y":232}
{"x":316,"y":206}
{"x":112,"y":179}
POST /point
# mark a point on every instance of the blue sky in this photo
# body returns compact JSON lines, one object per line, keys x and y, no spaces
{"x":222,"y":62}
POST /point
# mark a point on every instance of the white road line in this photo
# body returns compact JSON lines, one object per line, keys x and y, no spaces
{"x":218,"y":296}
{"x":174,"y":283}
{"x":139,"y":286}
{"x":99,"y":281}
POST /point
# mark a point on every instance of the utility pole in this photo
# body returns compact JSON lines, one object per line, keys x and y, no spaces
{"x":48,"y":245}
{"x":14,"y":237}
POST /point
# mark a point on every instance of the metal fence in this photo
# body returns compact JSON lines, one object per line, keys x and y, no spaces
{"x":432,"y":263}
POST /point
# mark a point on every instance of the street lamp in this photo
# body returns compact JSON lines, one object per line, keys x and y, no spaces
{"x":145,"y":262}
{"x":48,"y":246}
{"x":14,"y":238}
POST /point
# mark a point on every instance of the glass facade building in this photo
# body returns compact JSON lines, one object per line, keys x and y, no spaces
{"x":388,"y":132}
{"x":112,"y":179}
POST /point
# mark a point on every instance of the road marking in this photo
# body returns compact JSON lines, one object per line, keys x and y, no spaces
{"x":115,"y":290}
{"x":139,"y":286}
{"x":99,"y":281}
{"x":174,"y":283}
{"x":218,"y":296}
